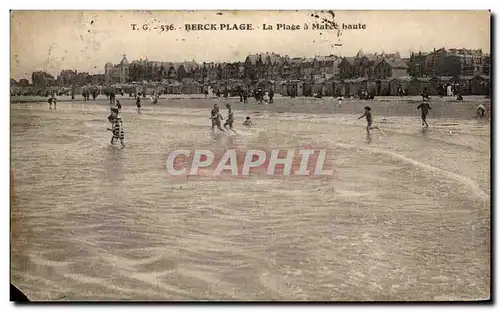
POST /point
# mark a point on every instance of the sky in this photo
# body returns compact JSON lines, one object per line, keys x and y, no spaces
{"x":52,"y":41}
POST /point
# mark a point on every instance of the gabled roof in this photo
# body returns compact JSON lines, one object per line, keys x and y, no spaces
{"x":169,"y":65}
{"x":270,"y":59}
{"x":392,"y":55}
{"x":274,"y":58}
{"x":396,"y":63}
{"x":177,"y":65}
{"x":253,"y":58}
{"x":378,"y":61}
{"x":350,"y":60}
{"x":373,"y":57}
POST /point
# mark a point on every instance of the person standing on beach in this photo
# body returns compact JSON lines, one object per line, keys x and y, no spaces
{"x":138,"y":103}
{"x":271,"y":95}
{"x":245,"y":96}
{"x":112,"y":97}
{"x":424,"y":108}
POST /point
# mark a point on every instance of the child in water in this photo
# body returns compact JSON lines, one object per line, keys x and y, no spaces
{"x":424,"y":108}
{"x":247,"y":122}
{"x":369,"y":119}
{"x":52,"y":100}
{"x":216,"y":117}
{"x":339,"y":103}
{"x":230,"y":119}
{"x":480,"y":111}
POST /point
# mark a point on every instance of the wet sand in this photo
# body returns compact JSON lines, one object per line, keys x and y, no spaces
{"x":406,"y":215}
{"x":384,"y":106}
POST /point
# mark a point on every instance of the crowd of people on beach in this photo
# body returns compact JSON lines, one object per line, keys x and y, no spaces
{"x":216,"y":116}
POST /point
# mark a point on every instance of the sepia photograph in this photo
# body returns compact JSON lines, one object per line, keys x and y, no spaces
{"x":250,"y":156}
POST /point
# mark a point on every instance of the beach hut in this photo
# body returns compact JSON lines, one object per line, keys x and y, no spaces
{"x":421,"y":84}
{"x":329,"y":87}
{"x":403,"y":82}
{"x":280,"y":87}
{"x":337,"y":88}
{"x":264,"y":85}
{"x":318,"y":87}
{"x":174,"y":88}
{"x":382,"y":87}
{"x":358,"y":85}
{"x":479,"y":85}
{"x":465,"y":85}
{"x":295,"y":88}
{"x":345,"y":89}
{"x":449,"y":79}
{"x":307,"y":85}
{"x":371,"y":87}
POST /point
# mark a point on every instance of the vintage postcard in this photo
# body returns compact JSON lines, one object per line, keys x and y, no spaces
{"x":250,"y":155}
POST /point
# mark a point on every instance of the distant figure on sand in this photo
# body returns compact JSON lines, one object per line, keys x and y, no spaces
{"x":52,"y":100}
{"x":112,"y":98}
{"x":247,"y":122}
{"x":216,"y":117}
{"x":138,"y":103}
{"x":245,"y":96}
{"x":155,"y":98}
{"x":369,"y":119}
{"x":424,"y":109}
{"x":480,"y":111}
{"x":339,"y":103}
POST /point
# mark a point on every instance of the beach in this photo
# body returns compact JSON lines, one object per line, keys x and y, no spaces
{"x":405,"y":216}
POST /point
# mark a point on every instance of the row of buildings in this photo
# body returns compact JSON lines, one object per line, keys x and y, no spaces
{"x":271,"y":66}
{"x":65,"y":78}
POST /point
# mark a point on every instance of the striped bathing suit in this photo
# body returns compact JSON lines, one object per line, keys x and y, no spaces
{"x":118,"y":129}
